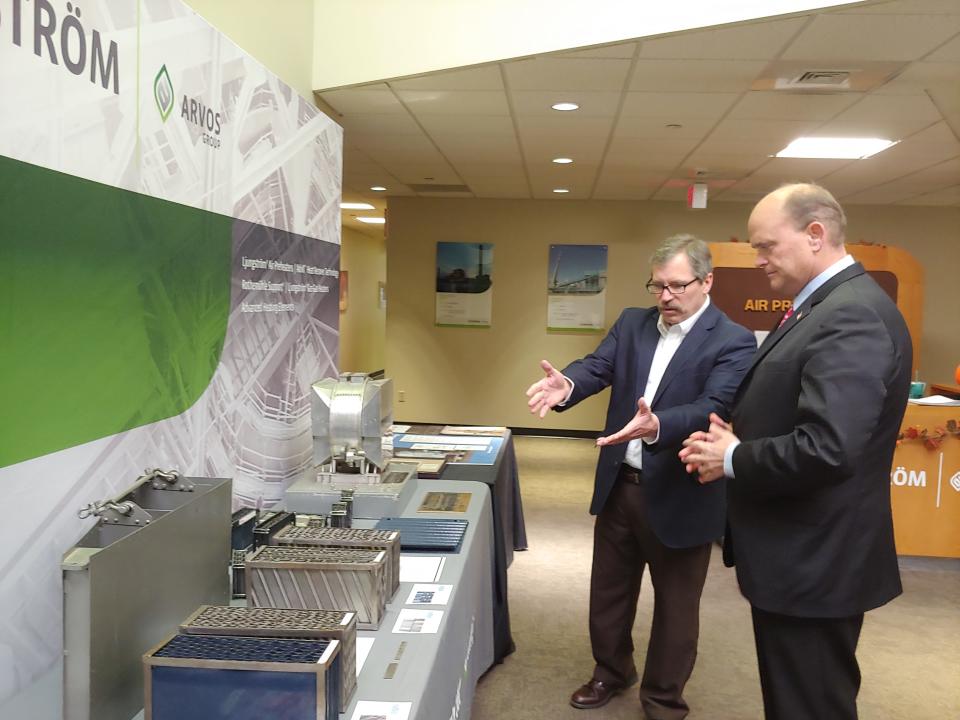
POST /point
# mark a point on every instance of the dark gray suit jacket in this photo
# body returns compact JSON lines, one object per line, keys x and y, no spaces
{"x":810,"y":525}
{"x":701,"y":378}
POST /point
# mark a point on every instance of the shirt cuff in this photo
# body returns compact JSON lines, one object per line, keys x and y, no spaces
{"x":651,"y":441}
{"x":728,"y":459}
{"x":567,"y":398}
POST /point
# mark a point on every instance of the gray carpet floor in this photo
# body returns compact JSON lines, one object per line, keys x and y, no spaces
{"x":909,"y":650}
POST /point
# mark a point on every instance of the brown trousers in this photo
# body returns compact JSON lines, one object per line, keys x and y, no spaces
{"x":623,"y":544}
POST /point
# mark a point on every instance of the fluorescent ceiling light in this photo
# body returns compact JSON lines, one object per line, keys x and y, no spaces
{"x":835,"y":148}
{"x":356,"y":206}
{"x":561,"y":190}
{"x":372,"y":220}
{"x":565,"y":106}
{"x":378,"y":188}
{"x":563,"y":161}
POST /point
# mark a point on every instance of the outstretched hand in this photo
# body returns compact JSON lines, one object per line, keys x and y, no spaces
{"x":703,"y":452}
{"x":548,"y":392}
{"x":643,"y":425}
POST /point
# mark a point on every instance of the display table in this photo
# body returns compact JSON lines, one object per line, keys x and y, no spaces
{"x":510,"y":532}
{"x":437,"y":673}
{"x":925,"y":488}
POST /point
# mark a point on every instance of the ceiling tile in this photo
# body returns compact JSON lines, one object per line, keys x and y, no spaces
{"x":691,"y":128}
{"x":755,"y":184}
{"x":499,"y":150}
{"x":481,"y":78}
{"x":887,"y":116}
{"x":922,"y":75}
{"x":799,"y":169}
{"x":467,"y":126}
{"x":904,"y":7}
{"x":557,"y":73}
{"x":501,"y":189}
{"x":618,"y":50}
{"x":563,"y":135}
{"x":784,"y":105}
{"x":753,"y":41}
{"x":592,"y":104}
{"x":883,"y":195}
{"x":437,"y":174}
{"x":472,"y":172}
{"x":375,"y":99}
{"x":356,"y":126}
{"x":695,"y":75}
{"x":832,"y":37}
{"x":628,"y":185}
{"x":923,"y":150}
{"x":667,"y":193}
{"x":945,"y":196}
{"x":455,"y":102}
{"x":721,"y":164}
{"x":544,"y":191}
{"x":563,"y":177}
{"x":755,"y":136}
{"x":949,"y":52}
{"x":678,"y":107}
{"x":648,"y":154}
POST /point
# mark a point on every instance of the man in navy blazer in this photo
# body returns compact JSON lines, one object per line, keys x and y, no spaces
{"x":668,"y":368}
{"x":808,"y":470}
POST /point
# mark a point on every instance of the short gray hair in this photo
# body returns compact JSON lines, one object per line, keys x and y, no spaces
{"x":696,"y":250}
{"x":805,"y":203}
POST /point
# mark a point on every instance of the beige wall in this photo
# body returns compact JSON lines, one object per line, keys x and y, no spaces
{"x":468,"y":375}
{"x":362,"y":325}
{"x":280,"y":35}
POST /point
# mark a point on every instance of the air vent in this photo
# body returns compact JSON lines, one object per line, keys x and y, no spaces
{"x":816,"y":79}
{"x":431,"y":188}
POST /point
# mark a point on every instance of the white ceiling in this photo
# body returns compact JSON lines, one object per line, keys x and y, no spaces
{"x":491,"y":127}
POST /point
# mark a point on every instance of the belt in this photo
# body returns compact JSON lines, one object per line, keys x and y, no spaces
{"x":629,"y":474}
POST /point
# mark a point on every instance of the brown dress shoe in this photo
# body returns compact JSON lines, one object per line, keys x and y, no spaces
{"x":593,"y":695}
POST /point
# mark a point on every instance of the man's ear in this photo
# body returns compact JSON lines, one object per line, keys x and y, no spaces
{"x":816,"y":235}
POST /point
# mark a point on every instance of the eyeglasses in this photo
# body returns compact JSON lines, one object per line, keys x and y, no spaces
{"x":674,"y":288}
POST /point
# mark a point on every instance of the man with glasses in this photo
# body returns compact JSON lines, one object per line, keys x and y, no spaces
{"x":666,"y":366}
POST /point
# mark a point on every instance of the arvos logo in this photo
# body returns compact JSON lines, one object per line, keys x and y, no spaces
{"x":163,"y":93}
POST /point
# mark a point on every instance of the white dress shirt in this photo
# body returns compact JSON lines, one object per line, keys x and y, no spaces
{"x":671,"y":336}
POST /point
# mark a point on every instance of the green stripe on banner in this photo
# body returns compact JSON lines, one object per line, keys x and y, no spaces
{"x":113,"y":308}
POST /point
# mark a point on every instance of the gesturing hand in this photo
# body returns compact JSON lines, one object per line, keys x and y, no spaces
{"x":643,"y":425}
{"x":548,"y":392}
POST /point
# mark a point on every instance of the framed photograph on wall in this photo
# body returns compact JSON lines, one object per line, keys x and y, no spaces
{"x":464,"y":284}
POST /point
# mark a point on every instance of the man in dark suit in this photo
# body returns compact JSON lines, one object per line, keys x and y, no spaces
{"x":667,"y":366}
{"x":816,"y":422}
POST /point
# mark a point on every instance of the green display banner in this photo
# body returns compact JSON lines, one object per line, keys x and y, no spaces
{"x":113,"y":308}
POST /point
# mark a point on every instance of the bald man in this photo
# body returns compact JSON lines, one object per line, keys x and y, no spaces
{"x":814,"y":427}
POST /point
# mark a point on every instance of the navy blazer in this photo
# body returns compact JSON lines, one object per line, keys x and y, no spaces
{"x":702,"y":378}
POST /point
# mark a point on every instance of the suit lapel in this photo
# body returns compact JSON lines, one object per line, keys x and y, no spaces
{"x":647,"y":346}
{"x":688,"y":348}
{"x":802,"y":313}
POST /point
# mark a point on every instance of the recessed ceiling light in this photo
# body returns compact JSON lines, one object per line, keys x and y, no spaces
{"x":561,"y":190}
{"x":835,"y":148}
{"x":565,"y":106}
{"x":356,"y":206}
{"x":378,"y":188}
{"x":563,"y":161}
{"x":372,"y":220}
